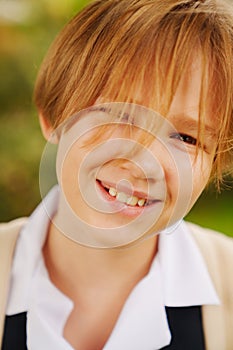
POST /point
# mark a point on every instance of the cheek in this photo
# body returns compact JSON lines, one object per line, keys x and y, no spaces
{"x":179,"y":177}
{"x":68,"y":166}
{"x":201,"y":174}
{"x":172,"y":180}
{"x":178,"y":173}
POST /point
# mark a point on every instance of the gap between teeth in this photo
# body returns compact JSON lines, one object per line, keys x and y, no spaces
{"x":124,"y":198}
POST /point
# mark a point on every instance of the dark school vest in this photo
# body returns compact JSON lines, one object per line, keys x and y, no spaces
{"x":185,"y":325}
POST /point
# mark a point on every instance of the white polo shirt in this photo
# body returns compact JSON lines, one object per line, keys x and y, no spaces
{"x":178,"y":277}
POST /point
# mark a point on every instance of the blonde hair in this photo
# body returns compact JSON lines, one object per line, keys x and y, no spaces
{"x":114,"y":47}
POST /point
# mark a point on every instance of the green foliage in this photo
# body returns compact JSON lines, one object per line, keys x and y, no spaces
{"x":22,"y":47}
{"x":214,"y":211}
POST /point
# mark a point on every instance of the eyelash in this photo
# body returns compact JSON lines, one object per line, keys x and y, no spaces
{"x":185,"y":138}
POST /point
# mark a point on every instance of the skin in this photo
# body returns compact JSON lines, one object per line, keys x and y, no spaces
{"x":103,"y":274}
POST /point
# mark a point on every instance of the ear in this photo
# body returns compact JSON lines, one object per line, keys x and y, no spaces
{"x":46,"y":127}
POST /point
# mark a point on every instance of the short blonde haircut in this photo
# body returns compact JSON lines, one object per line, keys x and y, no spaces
{"x":113,"y":47}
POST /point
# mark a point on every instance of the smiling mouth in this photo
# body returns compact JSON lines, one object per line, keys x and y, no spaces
{"x":129,"y":200}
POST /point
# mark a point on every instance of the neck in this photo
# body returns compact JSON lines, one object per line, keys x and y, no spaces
{"x":73,"y":268}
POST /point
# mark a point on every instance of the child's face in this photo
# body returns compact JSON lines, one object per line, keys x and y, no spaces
{"x":102,"y":182}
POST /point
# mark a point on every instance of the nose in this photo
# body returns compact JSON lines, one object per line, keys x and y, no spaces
{"x":145,"y":163}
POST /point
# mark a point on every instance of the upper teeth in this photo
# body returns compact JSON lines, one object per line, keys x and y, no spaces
{"x":124,"y":198}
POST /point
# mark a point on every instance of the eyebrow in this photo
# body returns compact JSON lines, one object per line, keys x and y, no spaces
{"x":183,"y":120}
{"x":187,"y":122}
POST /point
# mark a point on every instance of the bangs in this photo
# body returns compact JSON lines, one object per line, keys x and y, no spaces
{"x":136,"y":52}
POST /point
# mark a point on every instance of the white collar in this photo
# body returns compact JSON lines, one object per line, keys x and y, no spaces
{"x":178,"y":277}
{"x":186,"y":280}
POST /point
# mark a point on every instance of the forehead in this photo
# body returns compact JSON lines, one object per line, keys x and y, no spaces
{"x":189,"y":97}
{"x":191,"y":109}
{"x":190,"y":91}
{"x":156,"y":83}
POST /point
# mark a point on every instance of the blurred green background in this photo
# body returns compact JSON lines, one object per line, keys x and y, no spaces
{"x":26,"y":30}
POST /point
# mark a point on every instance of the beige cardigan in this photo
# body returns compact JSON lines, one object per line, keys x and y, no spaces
{"x":217,"y":250}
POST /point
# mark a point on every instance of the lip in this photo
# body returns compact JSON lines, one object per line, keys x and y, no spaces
{"x":122,"y":208}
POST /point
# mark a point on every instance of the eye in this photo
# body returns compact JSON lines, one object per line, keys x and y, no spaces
{"x":185,"y":138}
